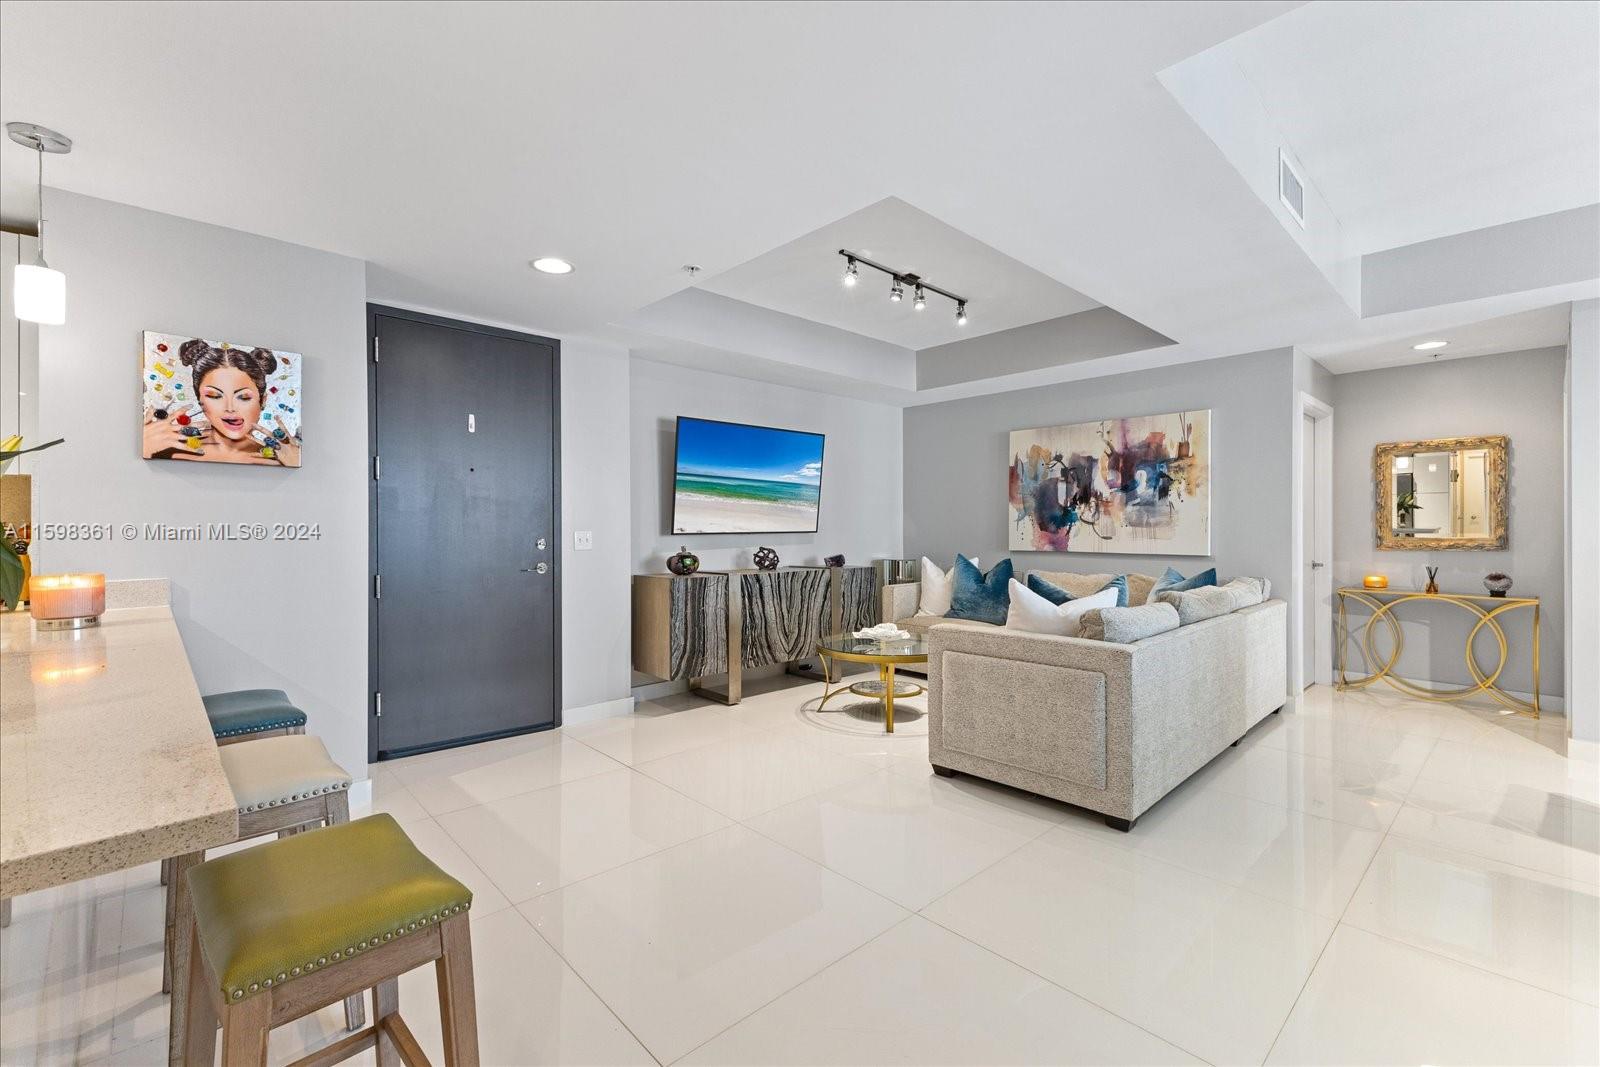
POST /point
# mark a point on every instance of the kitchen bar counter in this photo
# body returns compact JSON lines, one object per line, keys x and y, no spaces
{"x":106,"y":756}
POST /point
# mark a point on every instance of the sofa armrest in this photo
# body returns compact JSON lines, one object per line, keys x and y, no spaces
{"x":900,"y":600}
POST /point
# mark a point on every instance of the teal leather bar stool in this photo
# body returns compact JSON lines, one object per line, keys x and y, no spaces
{"x":247,"y":714}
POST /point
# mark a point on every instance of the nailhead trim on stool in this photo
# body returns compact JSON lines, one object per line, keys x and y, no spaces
{"x":336,"y":788}
{"x":284,"y":976}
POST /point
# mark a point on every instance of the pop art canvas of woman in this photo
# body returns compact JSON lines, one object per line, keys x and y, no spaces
{"x":215,"y":402}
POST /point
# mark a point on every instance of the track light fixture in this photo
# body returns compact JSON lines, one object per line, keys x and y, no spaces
{"x":898,"y":280}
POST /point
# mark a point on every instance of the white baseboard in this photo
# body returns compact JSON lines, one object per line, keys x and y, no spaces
{"x":606,"y":709}
{"x":361,"y":794}
{"x":1584,"y":751}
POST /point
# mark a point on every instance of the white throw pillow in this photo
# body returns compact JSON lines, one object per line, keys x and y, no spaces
{"x":937,"y":585}
{"x":1033,"y":614}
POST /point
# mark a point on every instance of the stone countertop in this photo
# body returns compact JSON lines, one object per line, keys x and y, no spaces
{"x":107,"y":759}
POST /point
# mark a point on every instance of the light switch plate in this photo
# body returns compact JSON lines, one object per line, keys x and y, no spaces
{"x":583,"y":540}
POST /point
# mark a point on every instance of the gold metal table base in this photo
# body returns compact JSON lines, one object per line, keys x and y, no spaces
{"x":1383,"y":603}
{"x":886,"y":688}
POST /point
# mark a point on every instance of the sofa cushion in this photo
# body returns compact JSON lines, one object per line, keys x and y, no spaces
{"x":978,"y":596}
{"x":1032,"y":613}
{"x":937,"y":585}
{"x":921,"y":624}
{"x":1139,"y":585}
{"x":1197,"y":605}
{"x":1046,"y":719}
{"x":1175,"y":581}
{"x":1246,"y":592}
{"x":1124,"y":626}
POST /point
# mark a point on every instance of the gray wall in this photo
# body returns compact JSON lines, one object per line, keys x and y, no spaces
{"x":1518,"y":394}
{"x":861,"y":479}
{"x":596,"y":642}
{"x":957,"y":455}
{"x":288,"y":614}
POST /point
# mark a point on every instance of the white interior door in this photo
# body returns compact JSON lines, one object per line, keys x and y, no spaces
{"x":1308,"y":539}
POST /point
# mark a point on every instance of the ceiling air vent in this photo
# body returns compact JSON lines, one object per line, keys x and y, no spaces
{"x":1291,"y":188}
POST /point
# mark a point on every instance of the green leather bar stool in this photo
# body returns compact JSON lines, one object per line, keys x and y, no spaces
{"x":282,"y":785}
{"x":249,"y":713}
{"x":286,"y":928}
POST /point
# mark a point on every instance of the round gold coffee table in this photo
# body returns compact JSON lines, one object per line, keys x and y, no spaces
{"x":885,"y":655}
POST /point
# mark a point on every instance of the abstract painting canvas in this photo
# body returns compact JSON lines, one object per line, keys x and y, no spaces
{"x":1133,"y":485}
{"x":216,"y":402}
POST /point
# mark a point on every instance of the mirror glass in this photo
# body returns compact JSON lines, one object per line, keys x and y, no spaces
{"x":1442,"y":494}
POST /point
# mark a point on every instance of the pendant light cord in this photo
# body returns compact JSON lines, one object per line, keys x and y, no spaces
{"x":40,"y":215}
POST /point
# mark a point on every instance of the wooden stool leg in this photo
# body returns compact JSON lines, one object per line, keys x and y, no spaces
{"x":166,"y":872}
{"x":200,"y":1037}
{"x":337,"y":811}
{"x":181,"y":908}
{"x":5,"y":913}
{"x":386,"y":1002}
{"x":245,"y":1027}
{"x":458,"y":1011}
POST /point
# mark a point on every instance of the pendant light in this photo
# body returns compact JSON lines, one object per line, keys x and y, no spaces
{"x":40,"y":292}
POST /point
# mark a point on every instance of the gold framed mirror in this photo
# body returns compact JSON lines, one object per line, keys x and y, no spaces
{"x":1447,"y":493}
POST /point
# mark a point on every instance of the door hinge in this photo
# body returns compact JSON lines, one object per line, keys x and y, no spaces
{"x":377,"y":468}
{"x":377,"y":587}
{"x":375,"y":341}
{"x":377,"y":704}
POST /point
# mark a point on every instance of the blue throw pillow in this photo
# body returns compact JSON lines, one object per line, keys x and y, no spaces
{"x":1049,"y":590}
{"x":980,"y":597}
{"x":1058,"y":596}
{"x":1172,"y":581}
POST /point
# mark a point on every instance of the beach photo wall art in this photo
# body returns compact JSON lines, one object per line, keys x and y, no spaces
{"x":734,"y":478}
{"x":1127,"y":485}
{"x":219,"y":402}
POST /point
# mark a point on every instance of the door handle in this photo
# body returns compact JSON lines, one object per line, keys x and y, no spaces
{"x":542,"y":567}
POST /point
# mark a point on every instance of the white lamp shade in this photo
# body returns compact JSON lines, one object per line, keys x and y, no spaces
{"x":40,"y":294}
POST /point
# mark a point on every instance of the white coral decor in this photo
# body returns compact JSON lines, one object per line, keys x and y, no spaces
{"x":884,"y":631}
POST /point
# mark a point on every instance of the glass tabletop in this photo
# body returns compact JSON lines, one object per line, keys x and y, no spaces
{"x":911,"y":649}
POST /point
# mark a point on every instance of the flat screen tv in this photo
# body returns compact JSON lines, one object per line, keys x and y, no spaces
{"x":735,"y":478}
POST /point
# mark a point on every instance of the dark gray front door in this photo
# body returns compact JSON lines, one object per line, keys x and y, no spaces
{"x":464,"y":542}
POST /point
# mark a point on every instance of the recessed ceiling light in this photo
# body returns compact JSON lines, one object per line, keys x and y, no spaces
{"x":551,"y":265}
{"x":1428,"y":346}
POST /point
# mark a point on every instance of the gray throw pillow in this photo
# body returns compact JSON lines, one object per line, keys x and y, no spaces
{"x":1124,"y":626}
{"x":1198,"y":605}
{"x":1246,"y":592}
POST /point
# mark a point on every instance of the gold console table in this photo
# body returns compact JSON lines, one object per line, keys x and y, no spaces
{"x":1384,"y":601}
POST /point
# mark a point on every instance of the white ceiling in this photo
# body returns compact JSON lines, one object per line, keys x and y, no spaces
{"x":1417,"y":120}
{"x":1544,"y":327}
{"x":803,"y":278}
{"x":448,"y":144}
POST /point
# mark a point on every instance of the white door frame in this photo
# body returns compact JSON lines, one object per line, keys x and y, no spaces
{"x":1321,"y":591}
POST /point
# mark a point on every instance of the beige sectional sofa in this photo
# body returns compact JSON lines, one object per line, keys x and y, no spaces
{"x":1109,"y":727}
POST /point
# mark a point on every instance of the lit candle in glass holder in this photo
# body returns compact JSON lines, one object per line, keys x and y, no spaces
{"x":67,"y":601}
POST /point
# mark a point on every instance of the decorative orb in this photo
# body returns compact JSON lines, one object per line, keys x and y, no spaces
{"x":766,"y":559}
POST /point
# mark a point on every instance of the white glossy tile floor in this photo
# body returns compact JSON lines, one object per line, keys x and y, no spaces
{"x":1365,"y":879}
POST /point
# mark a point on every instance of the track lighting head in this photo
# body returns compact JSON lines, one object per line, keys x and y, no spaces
{"x":899,"y":282}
